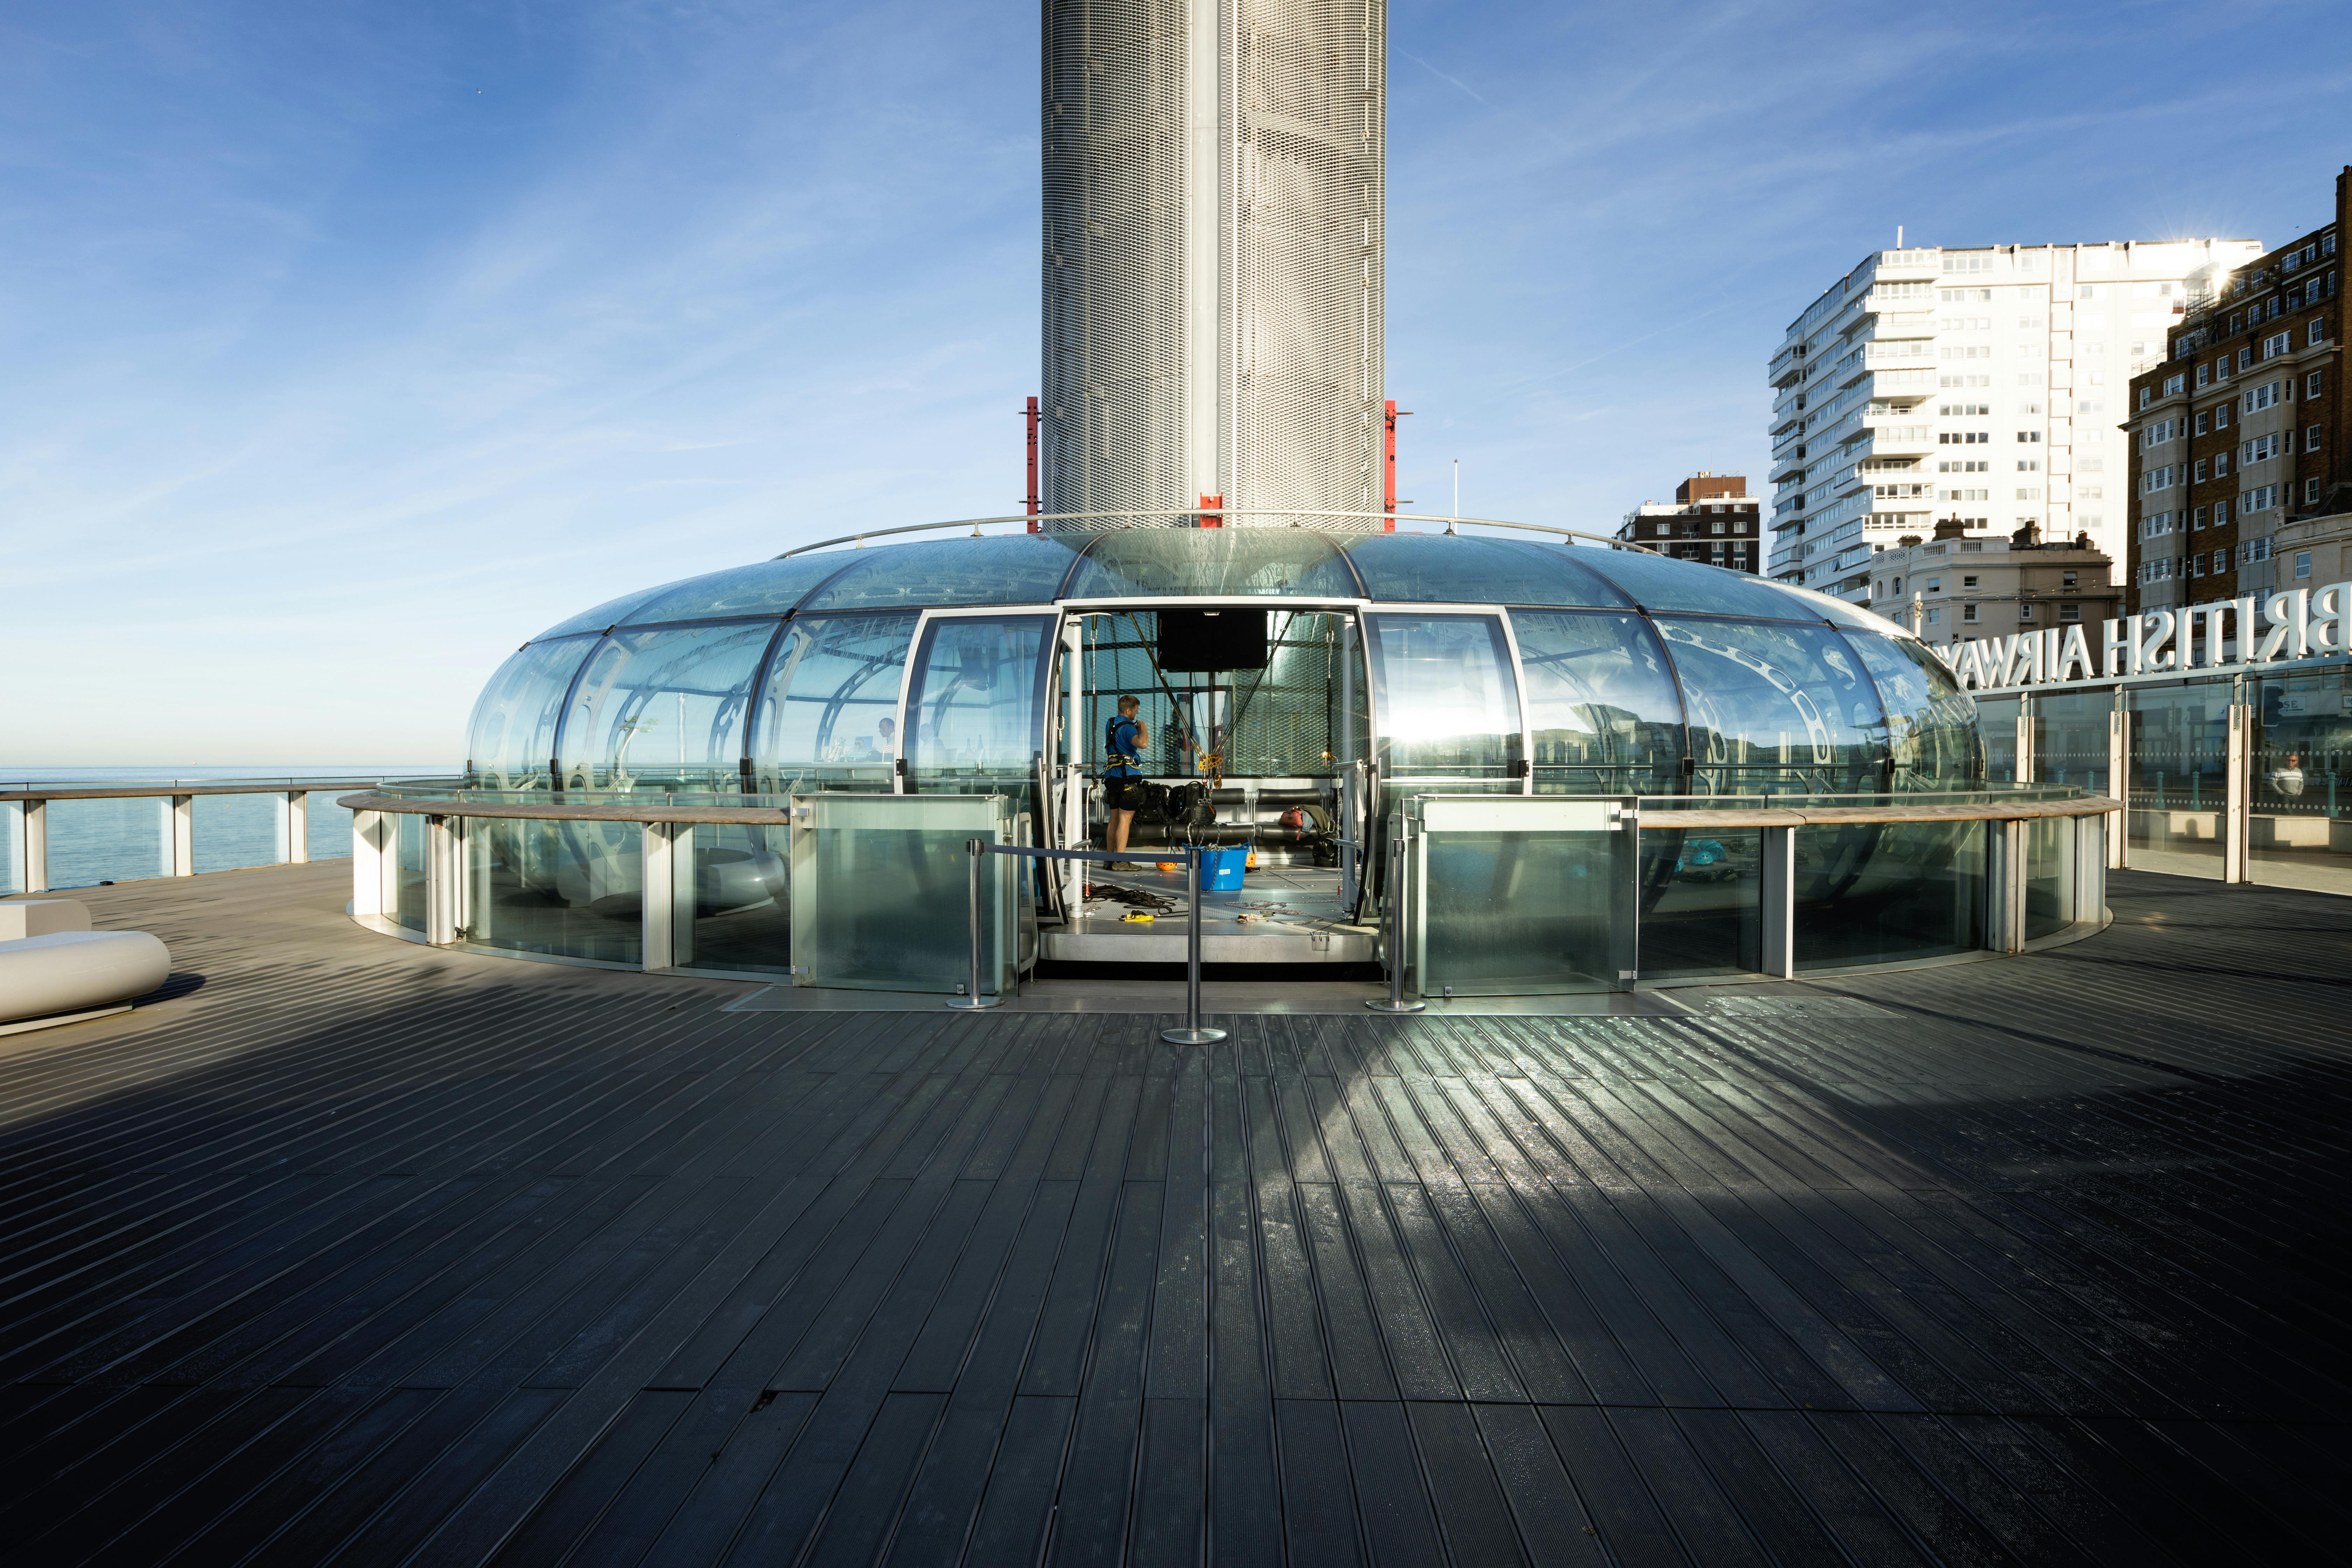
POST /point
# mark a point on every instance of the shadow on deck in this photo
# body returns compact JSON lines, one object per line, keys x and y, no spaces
{"x":366,"y":1253}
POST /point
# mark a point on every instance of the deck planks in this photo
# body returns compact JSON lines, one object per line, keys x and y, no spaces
{"x":348,"y":1250}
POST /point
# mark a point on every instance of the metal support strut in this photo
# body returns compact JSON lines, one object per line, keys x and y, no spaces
{"x":1192,"y":1034}
{"x":1395,"y":1002}
{"x":978,"y":849}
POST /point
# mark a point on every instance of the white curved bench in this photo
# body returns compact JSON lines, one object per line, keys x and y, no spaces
{"x":70,"y":976}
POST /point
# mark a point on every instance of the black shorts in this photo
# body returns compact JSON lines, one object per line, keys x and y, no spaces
{"x":1123,"y":792}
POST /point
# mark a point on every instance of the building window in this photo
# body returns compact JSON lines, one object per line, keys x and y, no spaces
{"x":1717,"y":527}
{"x":2245,"y":359}
{"x":2311,"y":492}
{"x":2172,"y":386}
{"x":2220,"y":514}
{"x":1666,"y":531}
{"x":2220,"y":561}
{"x":2277,"y":345}
{"x":2201,"y":470}
{"x":1967,"y":612}
{"x":2222,"y":417}
{"x":2070,"y":612}
{"x":2066,"y":579}
{"x":2145,"y":392}
{"x":2311,"y":438}
{"x":2311,"y":385}
{"x":2029,"y":465}
{"x":1933,"y":616}
{"x":1968,"y":582}
{"x":2318,"y":334}
{"x":2204,"y":423}
{"x":1934,"y":584}
{"x":2197,"y":565}
{"x":2028,"y":492}
{"x":2302,"y":562}
{"x":2221,"y":466}
{"x":2024,"y":612}
{"x":2204,"y":375}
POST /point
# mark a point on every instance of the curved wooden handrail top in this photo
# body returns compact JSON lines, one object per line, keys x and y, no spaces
{"x":1655,"y":821}
{"x":160,"y":789}
{"x":563,"y":811}
{"x":1833,"y":816}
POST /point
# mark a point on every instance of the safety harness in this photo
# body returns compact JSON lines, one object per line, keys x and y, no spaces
{"x":1114,"y":757}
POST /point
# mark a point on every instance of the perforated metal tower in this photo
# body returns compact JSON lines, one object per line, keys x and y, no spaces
{"x":1213,"y":231}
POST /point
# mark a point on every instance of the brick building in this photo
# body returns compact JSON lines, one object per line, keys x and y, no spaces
{"x":2241,"y":432}
{"x":1712,"y":519}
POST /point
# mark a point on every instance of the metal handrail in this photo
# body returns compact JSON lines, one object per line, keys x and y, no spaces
{"x":976,"y":523}
{"x":145,"y":789}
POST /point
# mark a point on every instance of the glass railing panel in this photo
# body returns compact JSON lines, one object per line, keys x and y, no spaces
{"x":2179,"y":755}
{"x":881,"y":887}
{"x":1702,"y":893}
{"x":2050,"y":896}
{"x":12,"y":844}
{"x":572,"y":889}
{"x":735,"y":897}
{"x":405,"y":871}
{"x":234,"y":831}
{"x":1519,"y":896}
{"x":328,"y":826}
{"x":2301,"y":831}
{"x":2070,"y":739}
{"x":1888,"y":892}
{"x":117,"y":840}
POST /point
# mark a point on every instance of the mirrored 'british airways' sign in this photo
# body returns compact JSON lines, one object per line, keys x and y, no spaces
{"x":2222,"y":634}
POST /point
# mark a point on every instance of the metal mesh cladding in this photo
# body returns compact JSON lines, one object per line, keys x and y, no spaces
{"x":1296,"y":124}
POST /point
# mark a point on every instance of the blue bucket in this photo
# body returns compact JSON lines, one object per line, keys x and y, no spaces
{"x":1221,"y":870}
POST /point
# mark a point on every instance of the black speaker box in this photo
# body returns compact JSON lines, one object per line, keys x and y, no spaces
{"x":1213,"y":639}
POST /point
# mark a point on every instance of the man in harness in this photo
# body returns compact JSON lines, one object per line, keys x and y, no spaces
{"x":1124,"y":739}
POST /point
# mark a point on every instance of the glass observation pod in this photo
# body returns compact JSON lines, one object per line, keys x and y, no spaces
{"x":825,"y":731}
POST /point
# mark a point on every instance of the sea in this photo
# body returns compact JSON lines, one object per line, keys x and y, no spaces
{"x":96,"y":841}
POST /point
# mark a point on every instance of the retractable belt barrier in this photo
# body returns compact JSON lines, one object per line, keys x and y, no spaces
{"x":1192,"y":1034}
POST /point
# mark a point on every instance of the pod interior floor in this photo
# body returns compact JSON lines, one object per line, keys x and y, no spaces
{"x":1281,"y":914}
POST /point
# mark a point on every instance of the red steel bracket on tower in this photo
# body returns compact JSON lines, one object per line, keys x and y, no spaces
{"x":1213,"y":519}
{"x":1032,"y":414}
{"x":1389,"y":414}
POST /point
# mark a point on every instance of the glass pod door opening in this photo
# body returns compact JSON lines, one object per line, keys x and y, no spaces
{"x":1250,"y":742}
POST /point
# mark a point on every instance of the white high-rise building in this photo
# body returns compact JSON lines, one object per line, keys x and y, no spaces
{"x":1986,"y":383}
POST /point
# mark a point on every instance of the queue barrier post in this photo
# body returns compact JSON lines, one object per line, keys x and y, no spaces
{"x":1394,"y":1002}
{"x":972,"y":999}
{"x":1192,"y":1033}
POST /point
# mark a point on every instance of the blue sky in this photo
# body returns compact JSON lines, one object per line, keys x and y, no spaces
{"x":342,"y":348}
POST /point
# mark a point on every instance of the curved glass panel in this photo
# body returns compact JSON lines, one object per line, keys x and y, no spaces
{"x":664,"y":710}
{"x":828,"y":715}
{"x":974,"y":716}
{"x":1831,"y":608}
{"x":762,"y":588}
{"x":511,"y":737}
{"x":1661,"y":585}
{"x":1931,"y":724}
{"x":1011,"y":569}
{"x":1432,"y":568}
{"x":611,"y":613}
{"x":1776,"y":709}
{"x":1448,"y":702}
{"x":576,"y":889}
{"x":1146,"y":562}
{"x":1603,"y":714}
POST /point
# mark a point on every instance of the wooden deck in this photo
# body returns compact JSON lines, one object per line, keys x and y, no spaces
{"x":356,"y":1252}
